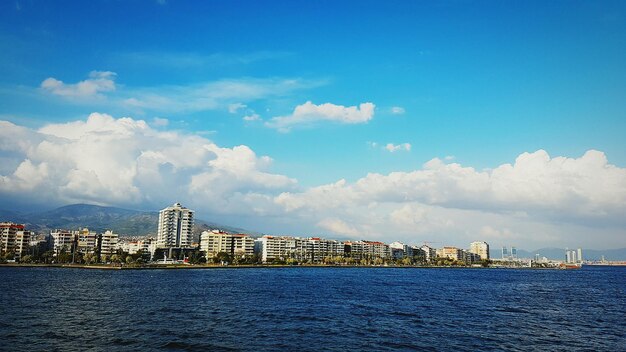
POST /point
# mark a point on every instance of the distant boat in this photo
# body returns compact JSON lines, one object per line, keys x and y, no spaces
{"x":570,"y":266}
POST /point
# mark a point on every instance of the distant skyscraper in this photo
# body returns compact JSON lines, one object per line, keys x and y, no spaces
{"x":573,"y":256}
{"x":480,"y":248}
{"x":175,"y":227}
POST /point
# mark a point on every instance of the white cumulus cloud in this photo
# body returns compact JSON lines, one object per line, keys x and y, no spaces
{"x":98,"y":82}
{"x":390,"y":147}
{"x":338,"y":226}
{"x":126,"y":162}
{"x":585,"y":191}
{"x":309,"y":113}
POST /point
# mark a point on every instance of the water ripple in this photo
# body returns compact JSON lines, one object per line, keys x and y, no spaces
{"x":312,"y":309}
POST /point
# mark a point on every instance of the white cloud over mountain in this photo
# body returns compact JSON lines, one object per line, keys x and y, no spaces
{"x":309,"y":113}
{"x":126,"y":162}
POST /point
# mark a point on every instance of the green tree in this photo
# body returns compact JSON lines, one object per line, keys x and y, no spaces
{"x":222,"y":257}
{"x":48,"y":256}
{"x":89,"y":258}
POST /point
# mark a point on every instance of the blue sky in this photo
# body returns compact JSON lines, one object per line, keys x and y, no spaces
{"x":473,"y":83}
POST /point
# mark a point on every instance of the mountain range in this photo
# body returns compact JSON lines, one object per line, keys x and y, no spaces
{"x":98,"y":218}
{"x":136,"y":223}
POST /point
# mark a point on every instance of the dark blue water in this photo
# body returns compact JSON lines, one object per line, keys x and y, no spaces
{"x":312,"y":309}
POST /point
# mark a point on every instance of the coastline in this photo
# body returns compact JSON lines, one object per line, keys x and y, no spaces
{"x":260,"y":266}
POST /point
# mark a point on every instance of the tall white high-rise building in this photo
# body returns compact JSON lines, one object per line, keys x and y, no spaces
{"x":480,"y":248}
{"x":175,"y":227}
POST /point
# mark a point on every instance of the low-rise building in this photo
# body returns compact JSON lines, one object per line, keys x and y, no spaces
{"x":471,"y":258}
{"x":214,"y":242}
{"x":450,"y":253}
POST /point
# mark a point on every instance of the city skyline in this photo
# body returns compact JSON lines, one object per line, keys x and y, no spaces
{"x":388,"y":121}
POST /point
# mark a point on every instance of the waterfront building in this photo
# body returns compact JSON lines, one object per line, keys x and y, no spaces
{"x":316,"y":249}
{"x":87,"y":241}
{"x":108,"y":243}
{"x":480,"y":248}
{"x":399,"y":250}
{"x":366,"y":250}
{"x":14,"y":238}
{"x":450,"y":253}
{"x":63,"y":240}
{"x":271,"y":248}
{"x":418,"y":254}
{"x":470,"y":257}
{"x":175,"y":227}
{"x":429,"y":252}
{"x":214,"y":242}
{"x":309,"y":250}
{"x":137,"y":246}
{"x":312,"y":249}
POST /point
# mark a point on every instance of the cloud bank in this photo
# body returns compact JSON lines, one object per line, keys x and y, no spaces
{"x":126,"y":162}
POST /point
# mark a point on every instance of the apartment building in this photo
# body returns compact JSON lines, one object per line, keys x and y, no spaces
{"x":175,"y":227}
{"x":14,"y":238}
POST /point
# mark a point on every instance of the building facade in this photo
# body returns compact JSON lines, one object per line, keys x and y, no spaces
{"x":366,"y":250}
{"x":480,"y":248}
{"x":429,"y":253}
{"x":87,"y":241}
{"x":175,"y":227}
{"x":450,"y":253}
{"x":108,"y":243}
{"x":214,"y":242}
{"x":271,"y":248}
{"x":63,"y":241}
{"x":14,"y":238}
